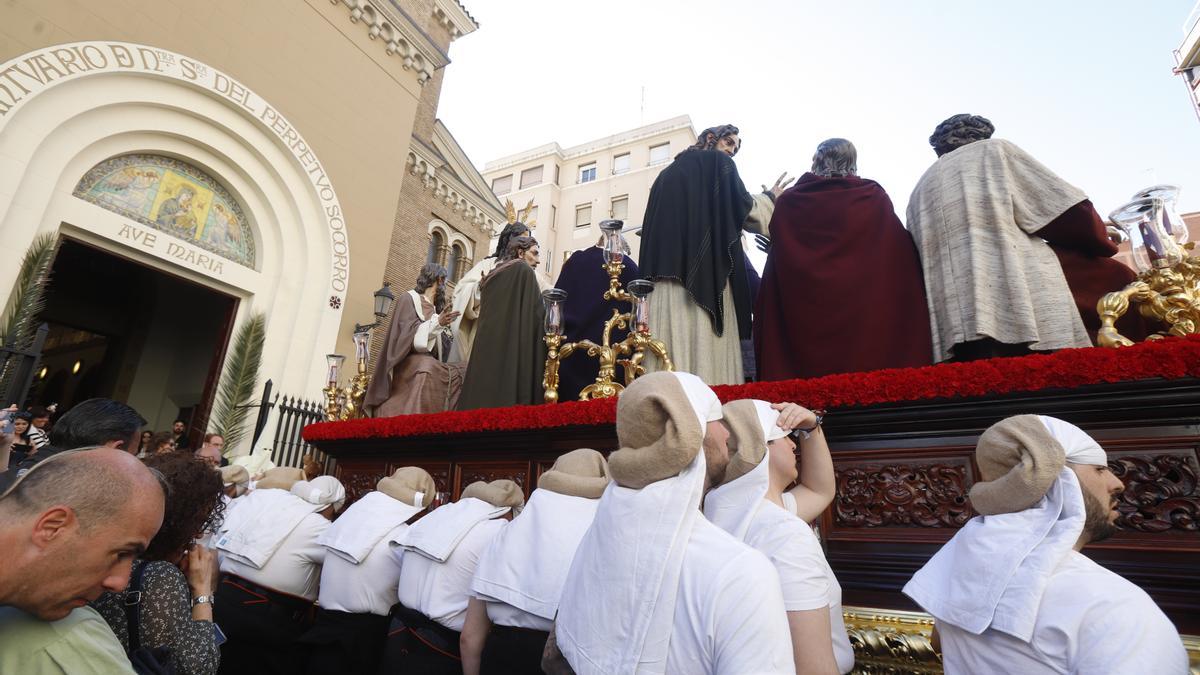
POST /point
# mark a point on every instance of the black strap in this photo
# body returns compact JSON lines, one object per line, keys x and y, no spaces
{"x":133,"y":606}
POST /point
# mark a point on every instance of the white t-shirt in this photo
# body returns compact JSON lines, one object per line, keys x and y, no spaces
{"x":804,"y":575}
{"x":366,"y":588}
{"x":1091,"y":622}
{"x":504,"y":614}
{"x":440,"y":590}
{"x":728,"y":614}
{"x":295,"y":567}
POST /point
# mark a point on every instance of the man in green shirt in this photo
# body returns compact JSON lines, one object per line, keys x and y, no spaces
{"x":70,"y":528}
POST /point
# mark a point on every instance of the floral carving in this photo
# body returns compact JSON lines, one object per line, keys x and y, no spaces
{"x":1162,"y":492}
{"x":359,"y":482}
{"x":933,"y":495}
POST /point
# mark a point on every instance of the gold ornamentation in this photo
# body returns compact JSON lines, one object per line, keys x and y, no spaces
{"x":1170,"y":295}
{"x":628,"y":353}
{"x":513,"y":216}
{"x":346,"y":403}
{"x":891,"y":642}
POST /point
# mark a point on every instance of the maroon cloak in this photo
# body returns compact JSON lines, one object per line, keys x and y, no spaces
{"x":1085,"y":253}
{"x":843,"y":289}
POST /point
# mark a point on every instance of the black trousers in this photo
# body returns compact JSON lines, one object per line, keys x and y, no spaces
{"x":341,"y":642}
{"x":262,"y":626}
{"x":513,"y":651}
{"x":417,"y":644}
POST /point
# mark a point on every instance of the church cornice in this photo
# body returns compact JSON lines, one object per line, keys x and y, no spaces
{"x":423,"y":164}
{"x":401,"y":37}
{"x":454,"y":18}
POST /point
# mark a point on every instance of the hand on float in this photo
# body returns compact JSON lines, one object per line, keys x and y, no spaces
{"x":794,"y":416}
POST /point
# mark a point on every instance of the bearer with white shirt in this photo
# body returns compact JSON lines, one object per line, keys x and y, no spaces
{"x":439,"y":555}
{"x":750,"y":504}
{"x":1011,"y":592}
{"x":358,"y":580}
{"x":272,"y":565}
{"x":520,"y":576}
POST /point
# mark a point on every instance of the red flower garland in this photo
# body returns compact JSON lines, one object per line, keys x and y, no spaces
{"x":1168,"y":359}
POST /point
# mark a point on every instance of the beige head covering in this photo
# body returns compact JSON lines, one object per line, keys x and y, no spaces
{"x":409,"y":484}
{"x":281,"y":477}
{"x":501,"y":492}
{"x":659,"y":429}
{"x":236,"y":475}
{"x":321,"y":491}
{"x":579,"y":473}
{"x":747,"y":443}
{"x":1018,"y":461}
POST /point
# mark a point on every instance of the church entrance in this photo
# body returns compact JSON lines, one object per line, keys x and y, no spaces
{"x":122,"y":330}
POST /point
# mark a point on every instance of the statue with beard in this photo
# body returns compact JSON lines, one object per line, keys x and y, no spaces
{"x":411,"y":375}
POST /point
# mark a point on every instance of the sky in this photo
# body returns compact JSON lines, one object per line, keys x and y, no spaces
{"x":1085,"y":87}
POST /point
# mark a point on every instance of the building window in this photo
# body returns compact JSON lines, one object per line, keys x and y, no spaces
{"x":436,"y":244}
{"x":556,"y":168}
{"x":553,"y":217}
{"x":458,"y":263}
{"x":660,"y":153}
{"x":583,"y":215}
{"x":587,"y":173}
{"x":502,"y":185}
{"x":621,"y":164}
{"x":531,"y":176}
{"x":620,"y":207}
{"x":531,"y":216}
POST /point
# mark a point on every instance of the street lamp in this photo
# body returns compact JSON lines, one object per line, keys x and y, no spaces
{"x":345,"y":403}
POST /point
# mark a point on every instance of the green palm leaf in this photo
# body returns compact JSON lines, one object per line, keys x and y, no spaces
{"x":235,"y":393}
{"x":28,"y":297}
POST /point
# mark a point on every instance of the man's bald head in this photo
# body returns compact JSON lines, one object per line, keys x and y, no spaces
{"x":71,"y":527}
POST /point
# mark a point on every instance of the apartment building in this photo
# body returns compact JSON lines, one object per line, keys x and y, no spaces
{"x":573,"y":189}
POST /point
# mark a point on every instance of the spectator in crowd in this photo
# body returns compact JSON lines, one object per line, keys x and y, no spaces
{"x":22,"y":447}
{"x":39,"y":432}
{"x":211,"y":450}
{"x":144,"y":440}
{"x":161,"y":443}
{"x":179,"y":433}
{"x":70,"y":531}
{"x":170,"y":607}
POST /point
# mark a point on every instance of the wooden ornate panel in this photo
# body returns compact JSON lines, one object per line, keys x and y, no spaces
{"x":360,"y":476}
{"x":468,"y":472}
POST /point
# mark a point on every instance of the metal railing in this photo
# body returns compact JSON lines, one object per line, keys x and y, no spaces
{"x":18,"y":366}
{"x":290,"y":447}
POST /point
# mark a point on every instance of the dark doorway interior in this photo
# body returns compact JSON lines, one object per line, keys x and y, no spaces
{"x":124,"y":331}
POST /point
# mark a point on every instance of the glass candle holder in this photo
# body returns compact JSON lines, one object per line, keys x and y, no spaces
{"x":334,"y":361}
{"x":361,"y":339}
{"x":612,"y":240}
{"x":1172,"y":221}
{"x":641,"y":289}
{"x":553,"y":300}
{"x":1153,"y":247}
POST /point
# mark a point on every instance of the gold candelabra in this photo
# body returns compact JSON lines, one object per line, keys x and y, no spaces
{"x":628,"y":353}
{"x":346,"y":403}
{"x":1170,"y":295}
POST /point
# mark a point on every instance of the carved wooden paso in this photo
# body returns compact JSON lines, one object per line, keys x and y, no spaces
{"x":903,"y":474}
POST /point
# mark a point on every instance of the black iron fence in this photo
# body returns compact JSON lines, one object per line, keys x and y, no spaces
{"x":18,"y":366}
{"x":295,"y":413}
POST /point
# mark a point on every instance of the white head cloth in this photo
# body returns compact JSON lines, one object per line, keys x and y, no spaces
{"x":355,"y":533}
{"x":439,"y":532}
{"x":618,"y":602}
{"x":732,"y":506}
{"x":994,"y":571}
{"x":321,"y":491}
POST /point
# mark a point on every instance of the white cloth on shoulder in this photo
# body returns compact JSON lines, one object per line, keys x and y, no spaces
{"x":526,"y":564}
{"x":356,"y":532}
{"x":436,"y":535}
{"x":994,"y":572}
{"x":264,"y":518}
{"x":635,"y":549}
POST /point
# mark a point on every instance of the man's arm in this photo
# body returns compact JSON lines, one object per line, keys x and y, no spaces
{"x":553,"y":661}
{"x":812,"y":642}
{"x":474,"y":636}
{"x":817,"y":485}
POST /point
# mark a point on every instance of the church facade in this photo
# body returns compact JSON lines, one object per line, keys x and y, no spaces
{"x":200,"y":164}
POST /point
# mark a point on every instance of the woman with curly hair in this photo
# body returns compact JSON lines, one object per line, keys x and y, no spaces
{"x":172,"y":584}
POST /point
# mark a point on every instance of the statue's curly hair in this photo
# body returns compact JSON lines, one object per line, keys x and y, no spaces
{"x":960,"y":130}
{"x":510,"y":230}
{"x":707,"y":139}
{"x":193,"y":503}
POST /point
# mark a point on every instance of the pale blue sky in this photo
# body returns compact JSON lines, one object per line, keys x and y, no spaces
{"x":1086,"y":87}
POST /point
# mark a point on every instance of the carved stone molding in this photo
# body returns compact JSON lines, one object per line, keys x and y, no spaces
{"x":400,"y":38}
{"x":1162,"y":492}
{"x":902,"y":495}
{"x":891,"y":642}
{"x":454,"y":18}
{"x":456,"y":198}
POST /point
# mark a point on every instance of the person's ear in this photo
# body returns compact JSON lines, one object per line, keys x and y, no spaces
{"x":54,"y":525}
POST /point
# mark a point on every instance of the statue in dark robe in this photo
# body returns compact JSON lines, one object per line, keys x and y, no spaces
{"x":585,"y":310}
{"x":410,"y":375}
{"x":842,"y":290}
{"x":508,"y":358}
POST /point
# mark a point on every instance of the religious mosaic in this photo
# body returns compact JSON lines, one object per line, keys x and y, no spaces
{"x":173,"y":197}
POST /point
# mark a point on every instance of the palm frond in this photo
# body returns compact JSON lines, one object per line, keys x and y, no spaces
{"x":235,"y":393}
{"x":28,"y":297}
